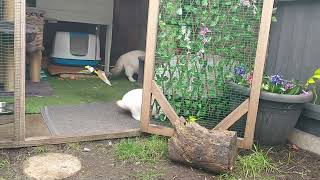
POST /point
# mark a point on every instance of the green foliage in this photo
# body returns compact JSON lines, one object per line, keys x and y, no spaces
{"x":273,"y":84}
{"x":199,"y":44}
{"x":313,"y":83}
{"x":192,"y":119}
{"x":151,"y":149}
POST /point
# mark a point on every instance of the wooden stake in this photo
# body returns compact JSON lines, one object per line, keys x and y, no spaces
{"x":258,"y":72}
{"x":149,"y":63}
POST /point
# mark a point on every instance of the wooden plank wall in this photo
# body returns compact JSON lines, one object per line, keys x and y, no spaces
{"x":82,"y":11}
{"x":129,"y":27}
{"x":294,"y":45}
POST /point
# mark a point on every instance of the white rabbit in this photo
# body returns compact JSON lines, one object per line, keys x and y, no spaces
{"x":129,"y":62}
{"x":132,"y":102}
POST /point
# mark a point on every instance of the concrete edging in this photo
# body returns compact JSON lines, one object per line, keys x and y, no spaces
{"x":305,"y":141}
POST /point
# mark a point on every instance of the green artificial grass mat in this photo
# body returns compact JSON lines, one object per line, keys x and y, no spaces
{"x":80,"y":91}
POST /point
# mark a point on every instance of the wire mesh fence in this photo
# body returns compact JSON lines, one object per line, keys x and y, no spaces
{"x":205,"y":51}
{"x":7,"y":68}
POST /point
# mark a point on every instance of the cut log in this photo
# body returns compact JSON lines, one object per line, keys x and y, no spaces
{"x":211,"y":150}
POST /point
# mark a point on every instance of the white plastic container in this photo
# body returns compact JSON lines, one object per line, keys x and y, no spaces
{"x":76,"y":49}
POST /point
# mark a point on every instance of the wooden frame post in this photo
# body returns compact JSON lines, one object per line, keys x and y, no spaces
{"x":151,"y":43}
{"x":19,"y":59}
{"x":258,"y":71}
{"x":249,"y":106}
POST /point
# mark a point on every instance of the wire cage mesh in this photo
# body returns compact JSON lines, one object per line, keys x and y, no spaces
{"x":205,"y":50}
{"x":7,"y":68}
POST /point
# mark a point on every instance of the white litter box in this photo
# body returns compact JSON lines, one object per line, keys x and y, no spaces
{"x":76,"y":49}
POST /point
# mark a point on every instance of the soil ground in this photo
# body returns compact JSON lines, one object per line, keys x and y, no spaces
{"x":101,"y":163}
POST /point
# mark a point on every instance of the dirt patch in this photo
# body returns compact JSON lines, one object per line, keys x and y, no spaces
{"x":99,"y":162}
{"x":295,"y":163}
{"x":51,"y":166}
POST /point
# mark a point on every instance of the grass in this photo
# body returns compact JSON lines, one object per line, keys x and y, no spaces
{"x":79,"y":91}
{"x":4,"y":163}
{"x":73,"y":146}
{"x":227,"y":177}
{"x":252,"y":166}
{"x":151,"y":149}
{"x":40,"y":150}
{"x":6,"y":170}
{"x":102,"y":148}
{"x":150,"y":174}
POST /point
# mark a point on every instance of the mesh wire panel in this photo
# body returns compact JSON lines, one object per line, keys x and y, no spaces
{"x":203,"y":47}
{"x":7,"y":68}
{"x":31,"y":3}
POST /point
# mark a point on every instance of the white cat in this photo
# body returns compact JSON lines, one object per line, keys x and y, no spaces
{"x":129,"y":62}
{"x":132,"y":102}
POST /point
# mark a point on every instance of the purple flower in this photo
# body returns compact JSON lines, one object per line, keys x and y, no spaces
{"x":289,"y":85}
{"x":277,"y":79}
{"x":204,"y":30}
{"x":239,"y":71}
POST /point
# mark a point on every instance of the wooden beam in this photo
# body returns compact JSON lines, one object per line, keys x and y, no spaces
{"x":258,"y":72}
{"x":19,"y":58}
{"x":6,"y":120}
{"x":36,"y":141}
{"x":240,"y":143}
{"x":234,"y":116}
{"x":149,"y":63}
{"x":160,"y":130}
{"x":165,"y":131}
{"x":164,"y":104}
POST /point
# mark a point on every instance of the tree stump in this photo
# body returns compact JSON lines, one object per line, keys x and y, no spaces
{"x":211,"y":150}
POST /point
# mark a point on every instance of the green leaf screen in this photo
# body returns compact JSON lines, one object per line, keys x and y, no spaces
{"x":202,"y":47}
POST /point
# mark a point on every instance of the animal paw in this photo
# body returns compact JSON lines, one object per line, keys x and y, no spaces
{"x":131,"y":79}
{"x":136,"y":117}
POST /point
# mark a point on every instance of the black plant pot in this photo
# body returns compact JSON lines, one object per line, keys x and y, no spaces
{"x":310,"y":120}
{"x":277,"y":115}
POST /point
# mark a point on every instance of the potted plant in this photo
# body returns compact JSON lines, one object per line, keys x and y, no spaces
{"x":281,"y":104}
{"x":310,"y":120}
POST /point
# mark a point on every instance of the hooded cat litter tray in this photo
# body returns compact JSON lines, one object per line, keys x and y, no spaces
{"x":76,"y":49}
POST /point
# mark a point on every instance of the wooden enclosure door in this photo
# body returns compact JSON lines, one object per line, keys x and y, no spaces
{"x":249,"y":106}
{"x":129,"y":27}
